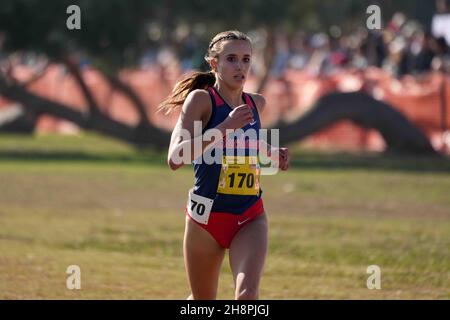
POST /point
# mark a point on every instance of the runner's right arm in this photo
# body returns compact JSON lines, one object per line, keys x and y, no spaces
{"x":196,"y":108}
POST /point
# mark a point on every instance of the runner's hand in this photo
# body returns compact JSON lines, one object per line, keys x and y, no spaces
{"x":239,"y":117}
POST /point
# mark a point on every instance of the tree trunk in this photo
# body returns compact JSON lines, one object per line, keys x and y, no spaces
{"x":400,"y":135}
{"x":141,"y":135}
{"x":17,"y":119}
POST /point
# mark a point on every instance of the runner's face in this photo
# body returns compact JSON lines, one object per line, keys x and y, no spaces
{"x":233,"y":63}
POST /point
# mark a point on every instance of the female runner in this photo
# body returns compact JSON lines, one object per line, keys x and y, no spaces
{"x":225,"y":209}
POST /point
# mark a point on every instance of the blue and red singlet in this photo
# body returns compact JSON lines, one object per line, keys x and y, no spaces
{"x":227,"y":194}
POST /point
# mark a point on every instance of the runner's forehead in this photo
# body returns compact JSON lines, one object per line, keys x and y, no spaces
{"x":237,"y":47}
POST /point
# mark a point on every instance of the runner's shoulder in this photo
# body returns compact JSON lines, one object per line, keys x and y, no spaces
{"x":260,"y":101}
{"x":197,"y":100}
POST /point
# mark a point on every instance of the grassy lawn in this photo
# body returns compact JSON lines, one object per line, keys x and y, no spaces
{"x":118,"y":213}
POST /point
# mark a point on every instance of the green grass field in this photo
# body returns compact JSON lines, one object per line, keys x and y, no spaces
{"x":119,"y":215}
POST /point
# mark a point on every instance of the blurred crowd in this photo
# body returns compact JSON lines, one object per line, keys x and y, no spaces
{"x":402,"y":46}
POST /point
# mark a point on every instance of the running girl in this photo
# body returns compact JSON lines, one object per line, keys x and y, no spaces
{"x":225,"y":209}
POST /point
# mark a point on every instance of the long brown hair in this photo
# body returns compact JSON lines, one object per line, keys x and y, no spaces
{"x":200,"y":80}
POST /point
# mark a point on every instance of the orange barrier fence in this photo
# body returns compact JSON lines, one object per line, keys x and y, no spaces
{"x":421,"y":100}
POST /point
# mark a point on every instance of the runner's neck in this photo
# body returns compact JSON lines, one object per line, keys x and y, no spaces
{"x":233,"y":98}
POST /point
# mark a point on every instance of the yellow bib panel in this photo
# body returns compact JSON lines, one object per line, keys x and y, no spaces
{"x":239,"y":175}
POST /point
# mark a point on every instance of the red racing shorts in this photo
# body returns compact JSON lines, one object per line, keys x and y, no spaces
{"x":224,"y":226}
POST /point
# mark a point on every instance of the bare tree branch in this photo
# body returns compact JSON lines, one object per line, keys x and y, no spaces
{"x":94,"y":110}
{"x":38,"y":75}
{"x":137,"y":102}
{"x":269,"y":55}
{"x":399,"y":134}
{"x":142,"y":136}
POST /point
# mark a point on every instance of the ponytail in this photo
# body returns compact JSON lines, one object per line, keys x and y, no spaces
{"x":196,"y":80}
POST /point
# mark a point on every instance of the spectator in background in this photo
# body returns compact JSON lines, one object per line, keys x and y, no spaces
{"x":402,"y":47}
{"x":440,"y":25}
{"x":301,"y":51}
{"x":396,"y":46}
{"x":420,"y":54}
{"x":373,"y":47}
{"x":319,"y":62}
{"x":441,"y":61}
{"x":282,"y":54}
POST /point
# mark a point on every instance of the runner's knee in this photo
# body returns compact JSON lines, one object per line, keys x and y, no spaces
{"x":246,"y":293}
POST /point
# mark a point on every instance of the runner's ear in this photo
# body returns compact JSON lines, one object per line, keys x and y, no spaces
{"x":213,"y":64}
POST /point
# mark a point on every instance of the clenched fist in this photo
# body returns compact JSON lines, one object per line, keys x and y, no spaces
{"x":239,"y":117}
{"x":280,"y":156}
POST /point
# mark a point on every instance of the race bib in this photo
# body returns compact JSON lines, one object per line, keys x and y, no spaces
{"x":239,"y":175}
{"x":199,"y":208}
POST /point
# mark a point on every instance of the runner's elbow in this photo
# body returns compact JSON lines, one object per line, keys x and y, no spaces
{"x":172,"y":165}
